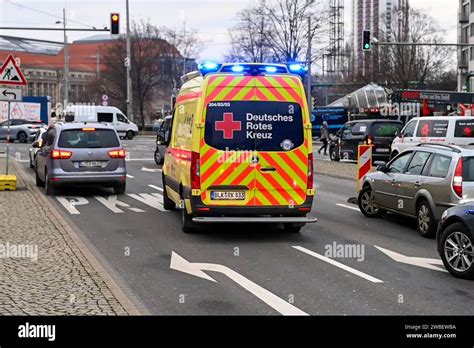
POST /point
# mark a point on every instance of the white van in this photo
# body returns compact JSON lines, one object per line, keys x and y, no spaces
{"x":108,"y":114}
{"x":450,"y":130}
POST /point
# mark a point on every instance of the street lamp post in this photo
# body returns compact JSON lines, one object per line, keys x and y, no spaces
{"x":66,"y":63}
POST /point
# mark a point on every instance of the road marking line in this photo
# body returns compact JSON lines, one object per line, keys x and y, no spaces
{"x":130,"y":176}
{"x":140,"y":160}
{"x":180,"y":264}
{"x":347,"y":207}
{"x":137,"y":210}
{"x":338,"y":264}
{"x":156,"y":188}
{"x":144,"y":169}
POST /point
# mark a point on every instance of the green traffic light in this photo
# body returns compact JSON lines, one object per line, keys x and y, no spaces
{"x":367,"y":46}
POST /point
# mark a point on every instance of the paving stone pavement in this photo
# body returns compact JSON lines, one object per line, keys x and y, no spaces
{"x":62,"y":281}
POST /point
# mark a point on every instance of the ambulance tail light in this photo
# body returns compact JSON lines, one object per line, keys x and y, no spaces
{"x":457,"y":180}
{"x":310,"y":171}
{"x":195,"y":171}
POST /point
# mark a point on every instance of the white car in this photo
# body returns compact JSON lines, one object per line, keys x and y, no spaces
{"x":38,"y":139}
{"x":102,"y":114}
{"x":448,"y":130}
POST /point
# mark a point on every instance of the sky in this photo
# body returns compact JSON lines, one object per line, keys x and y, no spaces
{"x":211,"y":17}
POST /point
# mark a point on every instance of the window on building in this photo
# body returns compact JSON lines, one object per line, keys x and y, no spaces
{"x":471,"y":53}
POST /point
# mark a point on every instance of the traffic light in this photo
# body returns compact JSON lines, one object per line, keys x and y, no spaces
{"x":114,"y":23}
{"x":366,"y":42}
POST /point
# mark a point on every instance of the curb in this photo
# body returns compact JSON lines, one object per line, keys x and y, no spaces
{"x":123,"y":294}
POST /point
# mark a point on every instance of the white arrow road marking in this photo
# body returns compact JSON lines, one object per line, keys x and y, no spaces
{"x":156,"y":188}
{"x":155,"y":200}
{"x":130,"y":176}
{"x":144,"y":169}
{"x":338,"y":264}
{"x":71,"y":203}
{"x":415,"y":261}
{"x":180,"y":264}
{"x":347,"y":207}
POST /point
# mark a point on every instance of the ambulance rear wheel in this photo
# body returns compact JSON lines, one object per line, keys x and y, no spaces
{"x":188,"y":225}
{"x":293,"y":228}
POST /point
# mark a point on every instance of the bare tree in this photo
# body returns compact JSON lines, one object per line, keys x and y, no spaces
{"x":150,"y":53}
{"x":250,"y":37}
{"x":277,"y":30}
{"x":400,"y":66}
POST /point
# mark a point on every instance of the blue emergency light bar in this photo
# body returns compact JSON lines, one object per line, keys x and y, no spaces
{"x":253,"y":69}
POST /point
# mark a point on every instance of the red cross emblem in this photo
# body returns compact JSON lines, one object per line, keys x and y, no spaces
{"x":228,"y":126}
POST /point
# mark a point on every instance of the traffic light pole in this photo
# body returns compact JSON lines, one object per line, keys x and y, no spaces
{"x":310,"y":104}
{"x":129,"y":66}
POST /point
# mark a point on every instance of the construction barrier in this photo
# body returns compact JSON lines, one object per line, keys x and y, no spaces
{"x":7,"y":183}
{"x":364,"y":164}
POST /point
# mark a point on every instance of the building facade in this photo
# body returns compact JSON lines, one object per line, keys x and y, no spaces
{"x":378,"y":17}
{"x":42,"y":63}
{"x":465,"y":36}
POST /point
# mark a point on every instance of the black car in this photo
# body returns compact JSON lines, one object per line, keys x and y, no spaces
{"x":379,"y":133}
{"x":455,"y":239}
{"x":160,"y":139}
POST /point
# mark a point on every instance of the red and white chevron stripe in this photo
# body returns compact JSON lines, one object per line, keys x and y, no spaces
{"x":364,"y":164}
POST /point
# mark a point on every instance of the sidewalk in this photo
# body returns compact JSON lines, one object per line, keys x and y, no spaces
{"x":45,"y":268}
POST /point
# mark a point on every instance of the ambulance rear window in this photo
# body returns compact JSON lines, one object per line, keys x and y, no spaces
{"x":254,"y":125}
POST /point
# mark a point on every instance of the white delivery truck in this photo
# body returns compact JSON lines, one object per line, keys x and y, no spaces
{"x":107,"y":114}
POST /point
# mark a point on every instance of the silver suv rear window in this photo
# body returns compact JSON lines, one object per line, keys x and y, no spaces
{"x":82,"y":139}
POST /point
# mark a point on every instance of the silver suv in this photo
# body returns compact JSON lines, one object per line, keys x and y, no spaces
{"x":421,"y":182}
{"x":81,"y":153}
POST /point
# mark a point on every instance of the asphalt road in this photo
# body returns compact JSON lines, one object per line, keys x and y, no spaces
{"x":263,"y":270}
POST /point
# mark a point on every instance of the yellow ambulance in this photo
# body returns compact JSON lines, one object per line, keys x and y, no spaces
{"x":240,"y":147}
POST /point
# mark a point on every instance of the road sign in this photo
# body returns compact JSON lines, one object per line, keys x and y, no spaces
{"x":105,"y":97}
{"x":10,"y":73}
{"x":364,"y":164}
{"x":105,"y":103}
{"x":10,"y":94}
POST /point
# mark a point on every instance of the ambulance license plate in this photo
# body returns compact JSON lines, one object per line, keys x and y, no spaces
{"x":227,"y":195}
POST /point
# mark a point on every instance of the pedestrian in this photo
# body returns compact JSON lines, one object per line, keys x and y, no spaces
{"x":324,"y":138}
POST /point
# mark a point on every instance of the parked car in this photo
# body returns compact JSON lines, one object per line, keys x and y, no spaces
{"x":379,"y":133}
{"x":78,"y":153}
{"x":421,"y":182}
{"x":449,"y":130}
{"x":37,"y":141}
{"x":21,"y":130}
{"x":161,"y":131}
{"x":455,"y":239}
{"x":108,"y":114}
